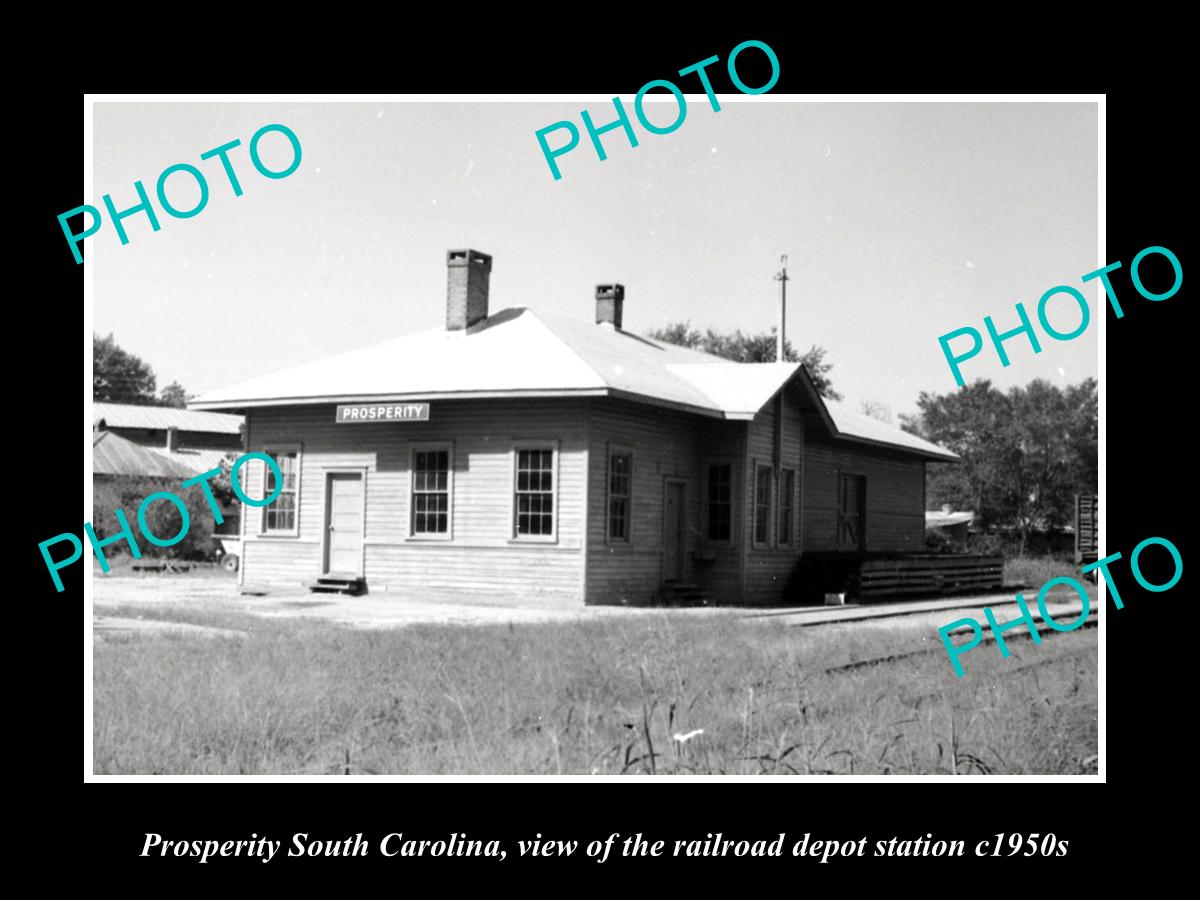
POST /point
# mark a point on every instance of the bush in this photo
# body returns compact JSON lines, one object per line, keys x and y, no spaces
{"x":937,"y":541}
{"x":162,"y":517}
{"x":993,"y":544}
{"x":1034,"y":571}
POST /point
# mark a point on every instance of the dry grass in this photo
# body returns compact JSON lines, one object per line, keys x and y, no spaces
{"x":294,"y":696}
{"x":1037,"y":570}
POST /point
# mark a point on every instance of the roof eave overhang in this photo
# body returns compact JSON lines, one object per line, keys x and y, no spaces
{"x":251,"y":403}
{"x":532,"y":394}
{"x":541,"y":393}
{"x":900,"y":448}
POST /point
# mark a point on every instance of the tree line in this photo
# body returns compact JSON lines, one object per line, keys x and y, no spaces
{"x":1026,"y":452}
{"x":119,"y":376}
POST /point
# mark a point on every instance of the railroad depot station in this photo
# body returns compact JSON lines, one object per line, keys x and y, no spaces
{"x":525,"y":458}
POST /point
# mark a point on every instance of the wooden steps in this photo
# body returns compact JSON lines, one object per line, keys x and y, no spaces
{"x":676,"y":593}
{"x":338,"y":584}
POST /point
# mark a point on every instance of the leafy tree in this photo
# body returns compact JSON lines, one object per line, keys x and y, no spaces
{"x":1026,"y":453}
{"x":162,"y":517}
{"x":119,"y":376}
{"x":743,"y":347}
{"x":173,"y":395}
{"x":222,"y":485}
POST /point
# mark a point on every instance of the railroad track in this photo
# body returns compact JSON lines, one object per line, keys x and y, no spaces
{"x":1090,"y":622}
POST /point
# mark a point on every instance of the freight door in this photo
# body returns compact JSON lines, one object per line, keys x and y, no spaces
{"x":674,"y":531}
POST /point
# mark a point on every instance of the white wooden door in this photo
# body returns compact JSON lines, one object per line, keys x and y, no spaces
{"x":344,"y":524}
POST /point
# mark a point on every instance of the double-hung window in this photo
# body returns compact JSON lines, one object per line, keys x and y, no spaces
{"x":280,"y":515}
{"x":762,"y":505}
{"x":431,"y":491}
{"x":620,"y":497}
{"x":787,"y":500}
{"x":719,"y":501}
{"x":534,"y":496}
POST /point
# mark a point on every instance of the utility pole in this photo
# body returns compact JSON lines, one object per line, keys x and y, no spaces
{"x":782,"y":277}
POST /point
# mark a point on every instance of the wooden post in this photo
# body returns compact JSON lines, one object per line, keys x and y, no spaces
{"x":782,"y":278}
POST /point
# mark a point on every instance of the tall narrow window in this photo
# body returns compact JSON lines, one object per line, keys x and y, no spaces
{"x":279,"y":516}
{"x":787,"y":494}
{"x":720,"y":502}
{"x":535,"y":493}
{"x":620,"y":487}
{"x":762,"y":505}
{"x":431,"y":492}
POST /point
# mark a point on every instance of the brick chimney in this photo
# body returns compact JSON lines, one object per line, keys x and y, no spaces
{"x":610,"y":298}
{"x":172,"y":439}
{"x":467,"y":275}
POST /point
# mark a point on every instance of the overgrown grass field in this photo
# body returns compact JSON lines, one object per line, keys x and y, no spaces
{"x":668,"y":694}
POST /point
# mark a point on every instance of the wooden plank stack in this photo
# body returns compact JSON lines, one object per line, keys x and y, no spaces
{"x":928,"y":576}
{"x":1087,"y":529}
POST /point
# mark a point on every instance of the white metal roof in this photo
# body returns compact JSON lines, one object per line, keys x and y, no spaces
{"x":517,"y":352}
{"x":936,"y":518}
{"x":864,"y":428}
{"x":128,"y":415}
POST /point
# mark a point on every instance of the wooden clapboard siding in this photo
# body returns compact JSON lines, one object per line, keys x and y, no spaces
{"x":664,"y":444}
{"x":481,"y":561}
{"x":278,"y":562}
{"x":545,"y":576}
{"x":769,"y":567}
{"x":895,"y":516}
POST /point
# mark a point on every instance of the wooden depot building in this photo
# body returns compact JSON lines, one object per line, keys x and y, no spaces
{"x":526,"y":458}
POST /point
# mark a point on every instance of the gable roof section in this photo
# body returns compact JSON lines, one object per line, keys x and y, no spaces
{"x":517,"y":352}
{"x":739,"y":390}
{"x":129,"y":415}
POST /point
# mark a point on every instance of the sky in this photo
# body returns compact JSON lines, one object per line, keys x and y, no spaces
{"x":901,"y":222}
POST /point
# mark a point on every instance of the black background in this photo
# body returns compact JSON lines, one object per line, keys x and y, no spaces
{"x":101,"y":827}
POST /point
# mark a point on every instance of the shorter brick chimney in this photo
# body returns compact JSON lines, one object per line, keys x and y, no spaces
{"x":610,"y":298}
{"x":467,"y":276}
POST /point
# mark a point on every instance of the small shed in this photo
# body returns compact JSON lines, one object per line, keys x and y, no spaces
{"x":951,"y":524}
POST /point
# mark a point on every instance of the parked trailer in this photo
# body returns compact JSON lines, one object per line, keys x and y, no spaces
{"x":231,"y":552}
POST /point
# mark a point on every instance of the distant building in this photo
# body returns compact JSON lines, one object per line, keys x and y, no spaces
{"x":953,"y":525}
{"x":133,"y":443}
{"x":517,"y":456}
{"x":195,"y":441}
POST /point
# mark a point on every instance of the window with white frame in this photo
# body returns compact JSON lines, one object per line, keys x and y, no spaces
{"x":279,"y":516}
{"x":762,"y":505}
{"x":431,"y":491}
{"x":534,"y":496}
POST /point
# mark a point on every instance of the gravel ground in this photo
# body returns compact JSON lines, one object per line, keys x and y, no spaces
{"x":388,"y":610}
